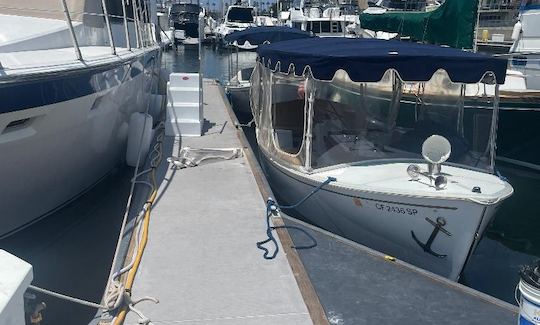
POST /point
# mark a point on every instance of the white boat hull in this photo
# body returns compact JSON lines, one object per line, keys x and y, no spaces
{"x":67,"y":146}
{"x":385,"y":222}
{"x":239,"y":95}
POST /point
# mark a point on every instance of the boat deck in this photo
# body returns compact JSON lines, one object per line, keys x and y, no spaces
{"x":202,"y":263}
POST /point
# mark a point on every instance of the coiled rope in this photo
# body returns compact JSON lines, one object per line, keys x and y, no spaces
{"x":272,"y":208}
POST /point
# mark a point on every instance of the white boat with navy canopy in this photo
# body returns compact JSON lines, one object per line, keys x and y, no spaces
{"x":414,"y":180}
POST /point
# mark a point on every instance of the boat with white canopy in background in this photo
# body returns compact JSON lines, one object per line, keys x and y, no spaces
{"x":413,"y":181}
{"x":73,"y":72}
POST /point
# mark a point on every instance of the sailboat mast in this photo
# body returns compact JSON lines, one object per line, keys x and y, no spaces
{"x":475,"y":40}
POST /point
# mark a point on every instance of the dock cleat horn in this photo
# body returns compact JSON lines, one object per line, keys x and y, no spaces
{"x":435,"y":150}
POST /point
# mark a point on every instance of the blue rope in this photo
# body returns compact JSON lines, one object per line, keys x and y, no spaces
{"x":272,"y":208}
{"x":503,"y":178}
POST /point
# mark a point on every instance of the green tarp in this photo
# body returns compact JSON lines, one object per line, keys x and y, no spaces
{"x":451,"y":24}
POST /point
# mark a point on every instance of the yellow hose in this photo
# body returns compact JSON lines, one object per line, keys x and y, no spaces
{"x":144,"y":239}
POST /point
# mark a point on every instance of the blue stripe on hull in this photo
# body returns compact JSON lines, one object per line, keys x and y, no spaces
{"x":50,"y":89}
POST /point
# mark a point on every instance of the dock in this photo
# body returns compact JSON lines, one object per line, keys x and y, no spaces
{"x":201,"y":260}
{"x":202,"y":263}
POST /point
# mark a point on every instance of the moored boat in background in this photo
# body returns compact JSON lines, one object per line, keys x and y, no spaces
{"x":454,"y":24}
{"x":237,"y":18}
{"x":184,"y":19}
{"x":239,"y":84}
{"x":324,"y":19}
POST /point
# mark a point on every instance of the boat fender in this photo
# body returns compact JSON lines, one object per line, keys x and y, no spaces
{"x":156,"y":105}
{"x":139,"y":138}
{"x":516,"y":32}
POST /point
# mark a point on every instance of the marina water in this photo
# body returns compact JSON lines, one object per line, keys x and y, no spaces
{"x":71,"y":250}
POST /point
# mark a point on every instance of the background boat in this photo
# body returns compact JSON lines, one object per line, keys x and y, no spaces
{"x":237,"y":18}
{"x":454,"y":24}
{"x":184,"y":19}
{"x":239,"y":85}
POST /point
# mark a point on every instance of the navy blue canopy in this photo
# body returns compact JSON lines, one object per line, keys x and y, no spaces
{"x":259,"y":35}
{"x":368,"y":59}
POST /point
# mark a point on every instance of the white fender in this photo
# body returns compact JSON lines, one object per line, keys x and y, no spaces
{"x":140,"y":133}
{"x":156,"y":106}
{"x":516,"y":31}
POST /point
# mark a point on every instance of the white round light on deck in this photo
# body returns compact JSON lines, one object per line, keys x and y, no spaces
{"x":436,"y":149}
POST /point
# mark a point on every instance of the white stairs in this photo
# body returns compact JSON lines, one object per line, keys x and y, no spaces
{"x":184,"y":105}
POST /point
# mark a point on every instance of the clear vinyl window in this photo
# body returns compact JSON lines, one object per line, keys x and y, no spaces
{"x":359,"y":122}
{"x":288,"y":118}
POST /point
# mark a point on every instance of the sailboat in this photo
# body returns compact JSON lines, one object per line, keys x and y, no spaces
{"x":72,"y":74}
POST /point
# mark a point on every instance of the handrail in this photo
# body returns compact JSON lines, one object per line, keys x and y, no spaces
{"x":126,"y":27}
{"x":109,"y":28}
{"x":145,"y":21}
{"x":144,"y":14}
{"x":136,"y":23}
{"x":140,"y":20}
{"x":72,"y":32}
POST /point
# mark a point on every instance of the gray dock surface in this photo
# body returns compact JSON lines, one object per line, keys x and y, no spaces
{"x":201,"y":260}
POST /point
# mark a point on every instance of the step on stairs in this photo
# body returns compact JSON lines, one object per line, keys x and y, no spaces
{"x":184,"y":105}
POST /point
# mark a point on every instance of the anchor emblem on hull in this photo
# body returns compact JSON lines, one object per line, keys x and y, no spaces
{"x":439,"y":226}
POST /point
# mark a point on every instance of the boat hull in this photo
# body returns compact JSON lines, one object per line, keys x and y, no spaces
{"x":386,"y":222}
{"x":239,"y":96}
{"x":71,"y":140}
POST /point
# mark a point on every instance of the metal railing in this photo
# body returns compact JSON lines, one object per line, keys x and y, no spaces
{"x":140,"y":21}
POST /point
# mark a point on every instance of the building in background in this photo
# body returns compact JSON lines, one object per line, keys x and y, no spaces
{"x":496,"y":19}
